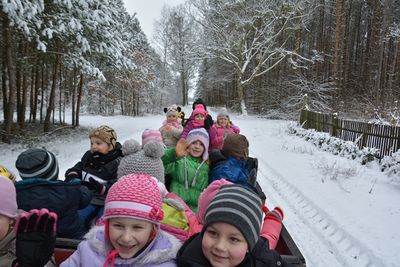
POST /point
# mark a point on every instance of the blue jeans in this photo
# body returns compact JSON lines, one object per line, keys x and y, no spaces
{"x":89,"y":213}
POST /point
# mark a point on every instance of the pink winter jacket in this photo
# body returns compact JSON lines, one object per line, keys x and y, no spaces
{"x":217,"y":134}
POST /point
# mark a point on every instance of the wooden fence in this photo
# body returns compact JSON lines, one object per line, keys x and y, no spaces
{"x":383,"y":137}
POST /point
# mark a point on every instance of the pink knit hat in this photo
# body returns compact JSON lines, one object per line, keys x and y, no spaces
{"x":207,"y":195}
{"x":151,"y":135}
{"x":134,"y":196}
{"x":200,"y":110}
{"x":8,"y":204}
{"x":199,"y":134}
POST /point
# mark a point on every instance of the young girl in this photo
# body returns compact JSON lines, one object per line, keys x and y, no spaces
{"x":189,"y":170}
{"x":196,"y":120}
{"x":171,"y":128}
{"x":231,"y":234}
{"x":97,"y":169}
{"x":34,"y":238}
{"x":219,"y":129}
{"x":131,"y":235}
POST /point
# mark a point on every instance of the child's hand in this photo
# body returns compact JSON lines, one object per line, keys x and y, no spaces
{"x":95,"y":186}
{"x":167,"y":128}
{"x":181,"y":148}
{"x":36,"y":237}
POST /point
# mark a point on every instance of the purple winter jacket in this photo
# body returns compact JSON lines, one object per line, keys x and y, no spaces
{"x":93,"y":252}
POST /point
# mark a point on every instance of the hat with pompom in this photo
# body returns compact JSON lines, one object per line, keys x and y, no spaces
{"x":151,"y":135}
{"x":200,"y":110}
{"x":105,"y":133}
{"x":135,"y":196}
{"x":138,"y":160}
{"x":223,"y":113}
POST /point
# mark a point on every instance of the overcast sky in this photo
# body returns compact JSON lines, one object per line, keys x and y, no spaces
{"x":147,"y":11}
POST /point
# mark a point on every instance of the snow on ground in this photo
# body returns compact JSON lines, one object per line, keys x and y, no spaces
{"x":339,"y":212}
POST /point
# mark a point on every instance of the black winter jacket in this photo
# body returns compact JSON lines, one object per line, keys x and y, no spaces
{"x":191,"y":255}
{"x":60,"y":197}
{"x":102,"y":168}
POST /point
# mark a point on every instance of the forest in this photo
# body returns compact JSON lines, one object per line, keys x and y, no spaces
{"x":251,"y":56}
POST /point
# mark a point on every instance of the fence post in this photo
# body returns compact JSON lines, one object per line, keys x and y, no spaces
{"x":334,"y":123}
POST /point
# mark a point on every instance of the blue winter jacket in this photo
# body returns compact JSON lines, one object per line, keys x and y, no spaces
{"x":60,"y":197}
{"x":231,"y":169}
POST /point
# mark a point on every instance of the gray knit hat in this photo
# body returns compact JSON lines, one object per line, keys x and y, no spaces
{"x":142,"y":161}
{"x":223,"y":113}
{"x":238,"y":206}
{"x":37,"y":163}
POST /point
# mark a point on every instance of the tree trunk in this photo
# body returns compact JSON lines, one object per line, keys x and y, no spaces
{"x":50,"y":106}
{"x":73,"y":97}
{"x":338,"y":39}
{"x":78,"y":101}
{"x":9,"y":66}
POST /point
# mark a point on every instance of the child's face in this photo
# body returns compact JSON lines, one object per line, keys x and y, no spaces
{"x":128,"y":235}
{"x":5,"y":223}
{"x":223,"y":122}
{"x":196,"y":149}
{"x":224,"y":245}
{"x":98,"y":145}
{"x":172,"y":118}
{"x":199,"y":118}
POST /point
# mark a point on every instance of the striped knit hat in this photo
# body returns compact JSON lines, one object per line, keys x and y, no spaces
{"x":199,"y":134}
{"x":238,"y":206}
{"x":37,"y":163}
{"x":105,"y":133}
{"x":134,"y":196}
{"x":151,"y":135}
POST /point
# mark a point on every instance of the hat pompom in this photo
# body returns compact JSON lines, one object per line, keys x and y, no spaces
{"x":130,"y":146}
{"x":153,"y":149}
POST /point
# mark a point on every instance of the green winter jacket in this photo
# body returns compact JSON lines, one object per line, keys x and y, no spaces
{"x":189,"y":176}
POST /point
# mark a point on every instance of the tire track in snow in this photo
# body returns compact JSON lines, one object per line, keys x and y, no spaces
{"x":341,"y":248}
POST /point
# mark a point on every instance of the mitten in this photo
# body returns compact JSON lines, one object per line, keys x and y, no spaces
{"x":272,"y":226}
{"x":35,"y":238}
{"x":92,"y":184}
{"x":208,"y":122}
{"x":181,"y":148}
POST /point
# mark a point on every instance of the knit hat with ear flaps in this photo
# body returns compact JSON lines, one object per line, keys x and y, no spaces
{"x":200,"y":110}
{"x":236,"y":145}
{"x":8,"y":204}
{"x":105,"y":133}
{"x":223,"y":113}
{"x":142,"y":161}
{"x":37,"y":163}
{"x":199,"y":134}
{"x":237,"y":206}
{"x":134,"y":196}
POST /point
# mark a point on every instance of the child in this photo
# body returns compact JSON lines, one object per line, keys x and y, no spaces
{"x":171,"y":128}
{"x":189,"y":170}
{"x":234,"y":164}
{"x":196,"y":120}
{"x":97,"y":169}
{"x":40,"y":188}
{"x":16,"y":247}
{"x":272,"y":224}
{"x":231,"y":234}
{"x":219,"y":130}
{"x":131,"y":235}
{"x":145,"y":159}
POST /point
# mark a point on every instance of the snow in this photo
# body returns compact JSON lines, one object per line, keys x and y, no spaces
{"x":339,"y":212}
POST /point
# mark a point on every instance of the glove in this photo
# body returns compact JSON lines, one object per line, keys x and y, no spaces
{"x":35,"y":238}
{"x":92,"y":184}
{"x":208,"y":122}
{"x":181,"y":148}
{"x":71,"y":176}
